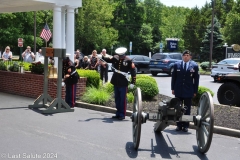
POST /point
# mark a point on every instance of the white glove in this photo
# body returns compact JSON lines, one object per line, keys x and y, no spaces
{"x":131,"y":86}
{"x":116,"y":57}
{"x":63,"y":84}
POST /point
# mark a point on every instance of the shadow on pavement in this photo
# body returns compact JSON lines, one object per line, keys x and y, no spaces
{"x":131,"y":152}
{"x":162,"y":148}
{"x":105,"y":120}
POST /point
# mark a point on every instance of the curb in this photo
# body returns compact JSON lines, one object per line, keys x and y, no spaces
{"x":217,"y":129}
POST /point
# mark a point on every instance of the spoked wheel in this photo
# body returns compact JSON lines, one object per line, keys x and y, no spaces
{"x":137,"y":118}
{"x":205,"y":122}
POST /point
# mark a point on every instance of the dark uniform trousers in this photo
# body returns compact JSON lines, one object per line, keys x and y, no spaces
{"x":70,"y":88}
{"x":104,"y":72}
{"x":70,"y":96}
{"x":120,"y":94}
{"x":187,"y":102}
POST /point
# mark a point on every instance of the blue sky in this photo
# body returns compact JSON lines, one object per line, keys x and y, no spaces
{"x":185,"y":3}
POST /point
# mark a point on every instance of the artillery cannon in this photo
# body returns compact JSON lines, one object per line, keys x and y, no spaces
{"x":173,"y":111}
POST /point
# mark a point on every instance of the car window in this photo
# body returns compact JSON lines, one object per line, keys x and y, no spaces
{"x":175,"y":56}
{"x":146,"y":58}
{"x":159,"y":56}
{"x":229,"y":61}
{"x":138,"y":58}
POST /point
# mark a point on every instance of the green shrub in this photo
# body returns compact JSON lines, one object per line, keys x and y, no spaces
{"x":37,"y":68}
{"x":96,"y":96}
{"x":201,"y":90}
{"x":93,"y":77}
{"x":3,"y":67}
{"x":26,"y":65}
{"x":130,"y":97}
{"x":148,"y":86}
{"x":14,"y":67}
{"x":205,"y":65}
{"x":108,"y":87}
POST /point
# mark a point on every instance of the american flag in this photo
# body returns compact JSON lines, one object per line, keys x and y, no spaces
{"x":46,"y":33}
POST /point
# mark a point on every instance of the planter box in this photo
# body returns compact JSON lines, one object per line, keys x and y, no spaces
{"x":31,"y":85}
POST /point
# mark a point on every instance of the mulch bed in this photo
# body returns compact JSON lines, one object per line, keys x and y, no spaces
{"x":224,"y":116}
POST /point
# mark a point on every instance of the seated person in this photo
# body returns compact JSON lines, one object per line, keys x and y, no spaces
{"x":78,"y":58}
{"x":85,"y":63}
{"x":7,"y":54}
{"x":94,"y":61}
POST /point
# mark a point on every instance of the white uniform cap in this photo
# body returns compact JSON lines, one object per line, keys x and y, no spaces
{"x":68,"y":54}
{"x":121,"y":51}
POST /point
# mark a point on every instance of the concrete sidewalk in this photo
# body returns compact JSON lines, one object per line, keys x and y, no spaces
{"x":217,"y":129}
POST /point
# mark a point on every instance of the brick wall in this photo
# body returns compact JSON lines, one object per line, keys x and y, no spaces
{"x":31,"y":85}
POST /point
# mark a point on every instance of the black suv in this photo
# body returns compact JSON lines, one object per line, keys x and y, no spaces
{"x":163,"y":62}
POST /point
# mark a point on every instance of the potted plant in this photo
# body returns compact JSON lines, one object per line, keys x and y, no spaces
{"x":37,"y":68}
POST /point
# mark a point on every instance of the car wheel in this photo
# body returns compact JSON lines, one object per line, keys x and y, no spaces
{"x":136,"y":69}
{"x":214,"y":79}
{"x":228,"y":94}
{"x":171,"y":70}
{"x":154,"y":73}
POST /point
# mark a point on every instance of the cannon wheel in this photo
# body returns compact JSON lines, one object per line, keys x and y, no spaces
{"x":204,"y":131}
{"x":136,"y":125}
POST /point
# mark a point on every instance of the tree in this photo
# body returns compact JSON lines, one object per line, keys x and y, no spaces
{"x":128,"y":20}
{"x":232,"y":25}
{"x":93,"y":26}
{"x":217,"y":53}
{"x":192,"y":31}
{"x":144,"y":39}
{"x":153,"y":9}
{"x":173,"y":20}
{"x":20,"y":25}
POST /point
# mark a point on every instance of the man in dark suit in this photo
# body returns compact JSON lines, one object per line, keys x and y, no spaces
{"x":184,"y":85}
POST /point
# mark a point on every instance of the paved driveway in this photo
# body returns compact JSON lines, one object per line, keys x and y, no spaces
{"x":87,"y":134}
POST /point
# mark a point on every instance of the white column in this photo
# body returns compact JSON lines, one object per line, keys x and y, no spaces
{"x":57,"y":30}
{"x":63,"y":27}
{"x":70,"y":38}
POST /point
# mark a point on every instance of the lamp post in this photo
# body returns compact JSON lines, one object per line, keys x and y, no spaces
{"x":225,"y":45}
{"x":211,"y":41}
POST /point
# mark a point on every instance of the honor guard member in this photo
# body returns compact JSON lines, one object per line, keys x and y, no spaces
{"x":184,"y":85}
{"x":122,"y":66}
{"x":70,"y":78}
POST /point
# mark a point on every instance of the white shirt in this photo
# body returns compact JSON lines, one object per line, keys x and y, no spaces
{"x":187,"y":64}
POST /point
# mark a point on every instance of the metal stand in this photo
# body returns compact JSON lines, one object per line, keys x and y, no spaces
{"x":51,"y":105}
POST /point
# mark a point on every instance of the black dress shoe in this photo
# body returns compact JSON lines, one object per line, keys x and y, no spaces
{"x":121,"y":118}
{"x":185,"y":129}
{"x":115,"y":117}
{"x":178,"y":128}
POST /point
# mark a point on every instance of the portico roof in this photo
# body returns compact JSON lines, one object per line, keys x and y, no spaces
{"x":35,"y":5}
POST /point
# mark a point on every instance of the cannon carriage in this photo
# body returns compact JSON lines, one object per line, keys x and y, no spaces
{"x":173,"y":111}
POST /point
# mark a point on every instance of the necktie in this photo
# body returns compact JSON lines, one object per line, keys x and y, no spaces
{"x":185,"y":66}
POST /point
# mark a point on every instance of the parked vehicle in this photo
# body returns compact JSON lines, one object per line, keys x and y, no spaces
{"x":224,"y":67}
{"x":141,"y":63}
{"x":228,"y":93}
{"x":163,"y":63}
